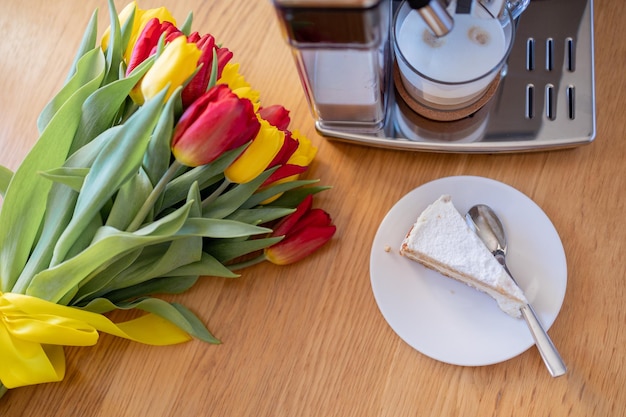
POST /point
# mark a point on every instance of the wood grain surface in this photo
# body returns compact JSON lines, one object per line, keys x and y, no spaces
{"x":308,"y":339}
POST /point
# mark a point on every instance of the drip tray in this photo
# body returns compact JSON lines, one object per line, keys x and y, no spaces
{"x":545,"y":100}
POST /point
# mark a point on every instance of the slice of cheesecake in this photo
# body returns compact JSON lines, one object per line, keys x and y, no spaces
{"x":441,"y":240}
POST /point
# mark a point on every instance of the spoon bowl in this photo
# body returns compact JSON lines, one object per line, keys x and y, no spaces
{"x":488,"y":227}
{"x":484,"y":222}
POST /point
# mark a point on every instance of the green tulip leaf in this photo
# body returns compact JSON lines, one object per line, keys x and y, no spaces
{"x":158,"y":260}
{"x":102,"y":107}
{"x":260,"y":215}
{"x":64,"y":279}
{"x":294,"y":197}
{"x":219,"y":228}
{"x":25,"y":199}
{"x":225,"y":251}
{"x":271,"y":191}
{"x":88,"y":42}
{"x":195,"y":199}
{"x":89,"y":68}
{"x":205,"y":175}
{"x":85,"y":238}
{"x":72,"y":177}
{"x":101,"y":277}
{"x":177,"y":314}
{"x":154,"y":263}
{"x":214,"y":68}
{"x":117,"y":44}
{"x":58,"y":213}
{"x":157,"y":159}
{"x":186,"y":26}
{"x":151,"y":262}
{"x":86,"y":155}
{"x":163,"y":285}
{"x":188,"y":321}
{"x":5,"y":178}
{"x":119,"y":160}
{"x":231,"y":200}
{"x":177,"y":188}
{"x":207,"y":266}
{"x":129,"y":200}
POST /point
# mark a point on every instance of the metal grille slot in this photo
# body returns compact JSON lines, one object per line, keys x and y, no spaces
{"x":570,"y":57}
{"x":550,"y":102}
{"x":571,"y":102}
{"x":549,"y":54}
{"x":530,"y":101}
{"x":530,"y":54}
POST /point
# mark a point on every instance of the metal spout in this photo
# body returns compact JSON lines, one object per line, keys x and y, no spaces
{"x":435,"y":15}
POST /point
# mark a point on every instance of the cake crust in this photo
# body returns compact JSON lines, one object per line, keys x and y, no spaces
{"x":441,"y":240}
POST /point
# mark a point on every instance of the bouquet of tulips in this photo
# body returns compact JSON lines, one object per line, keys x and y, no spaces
{"x":156,"y":164}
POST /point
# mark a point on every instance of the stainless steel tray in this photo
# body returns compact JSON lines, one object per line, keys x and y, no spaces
{"x":545,"y":101}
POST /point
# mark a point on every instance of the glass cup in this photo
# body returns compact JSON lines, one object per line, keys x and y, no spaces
{"x":455,"y":71}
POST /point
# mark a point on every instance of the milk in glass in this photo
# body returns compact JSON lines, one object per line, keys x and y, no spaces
{"x":453,"y":70}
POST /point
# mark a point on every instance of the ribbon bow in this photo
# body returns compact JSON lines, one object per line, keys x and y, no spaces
{"x":33,"y":332}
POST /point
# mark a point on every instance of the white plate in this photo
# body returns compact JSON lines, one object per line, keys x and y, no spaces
{"x":447,"y":320}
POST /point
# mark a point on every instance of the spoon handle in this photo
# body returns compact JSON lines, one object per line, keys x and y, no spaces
{"x":546,"y":348}
{"x":548,"y":352}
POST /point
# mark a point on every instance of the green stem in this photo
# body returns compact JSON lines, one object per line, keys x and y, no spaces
{"x":129,"y":109}
{"x":3,"y":390}
{"x":154,"y":195}
{"x":215,"y":194}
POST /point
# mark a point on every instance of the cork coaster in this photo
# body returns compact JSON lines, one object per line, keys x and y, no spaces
{"x":445,"y":130}
{"x":442,"y":115}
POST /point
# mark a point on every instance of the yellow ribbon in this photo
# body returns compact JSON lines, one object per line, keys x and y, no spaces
{"x":33,"y":332}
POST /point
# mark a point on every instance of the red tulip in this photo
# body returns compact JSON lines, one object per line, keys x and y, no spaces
{"x":305,"y":231}
{"x":199,"y":84}
{"x":284,"y":170}
{"x":216,"y":122}
{"x":276,"y":115}
{"x":149,"y":39}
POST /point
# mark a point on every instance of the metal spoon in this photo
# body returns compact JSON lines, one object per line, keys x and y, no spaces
{"x":484,"y":222}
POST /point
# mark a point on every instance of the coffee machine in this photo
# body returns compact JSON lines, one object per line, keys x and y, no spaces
{"x":544,"y":99}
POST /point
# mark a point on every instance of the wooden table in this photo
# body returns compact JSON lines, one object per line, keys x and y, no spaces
{"x":308,"y":339}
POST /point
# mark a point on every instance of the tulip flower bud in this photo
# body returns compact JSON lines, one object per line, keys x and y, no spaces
{"x":200,"y":82}
{"x":216,"y":122}
{"x":294,"y":163}
{"x":284,"y":170}
{"x":172,"y":68}
{"x":148,"y":41}
{"x":237,"y":83}
{"x":142,"y":17}
{"x":304,"y":231}
{"x":304,"y":155}
{"x":257,"y":157}
{"x":277,"y":115}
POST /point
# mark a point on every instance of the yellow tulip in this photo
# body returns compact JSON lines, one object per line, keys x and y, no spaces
{"x":305,"y":153}
{"x":256,"y":158}
{"x":123,"y":16}
{"x":142,"y":17}
{"x":296,"y":164}
{"x":175,"y":65}
{"x":238,"y":84}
